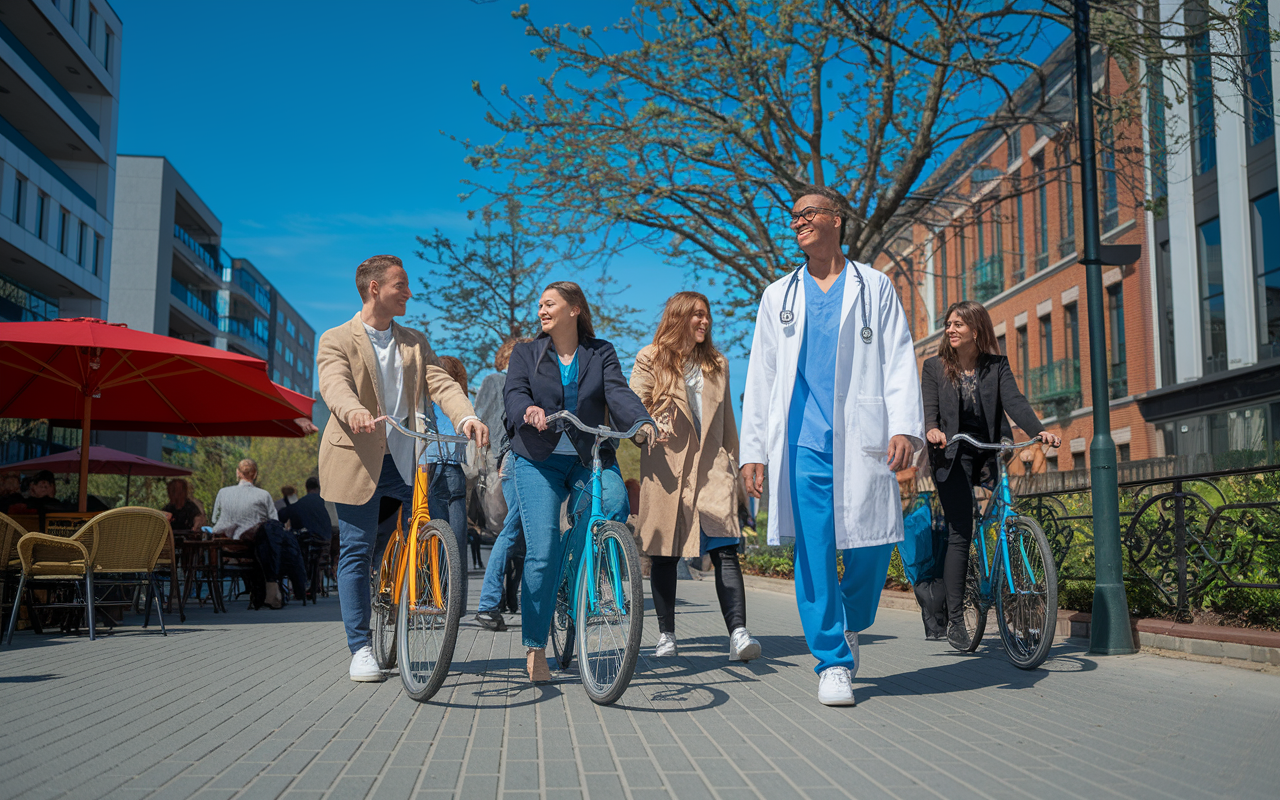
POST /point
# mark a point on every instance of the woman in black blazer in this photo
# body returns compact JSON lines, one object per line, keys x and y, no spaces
{"x":967,"y":388}
{"x":568,"y":368}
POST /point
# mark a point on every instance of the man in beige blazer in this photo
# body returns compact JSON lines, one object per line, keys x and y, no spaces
{"x":367,"y":368}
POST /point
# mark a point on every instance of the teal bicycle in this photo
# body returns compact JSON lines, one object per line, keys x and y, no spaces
{"x":599,"y":595}
{"x":1012,"y":567}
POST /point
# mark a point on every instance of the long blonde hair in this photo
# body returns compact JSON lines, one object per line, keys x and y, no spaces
{"x":674,"y":347}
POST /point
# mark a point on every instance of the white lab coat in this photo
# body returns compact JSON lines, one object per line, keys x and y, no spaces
{"x":877,"y":397}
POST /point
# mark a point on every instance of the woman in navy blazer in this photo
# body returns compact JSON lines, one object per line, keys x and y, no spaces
{"x":565,"y":368}
{"x":967,"y":388}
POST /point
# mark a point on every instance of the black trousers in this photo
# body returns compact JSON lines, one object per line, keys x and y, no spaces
{"x":956,"y":495}
{"x":729,"y":588}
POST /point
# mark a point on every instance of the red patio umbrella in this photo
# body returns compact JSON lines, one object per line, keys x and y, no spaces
{"x":102,"y":461}
{"x":88,"y":371}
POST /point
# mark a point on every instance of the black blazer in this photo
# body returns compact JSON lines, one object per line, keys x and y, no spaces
{"x":1000,"y":396}
{"x":533,"y":379}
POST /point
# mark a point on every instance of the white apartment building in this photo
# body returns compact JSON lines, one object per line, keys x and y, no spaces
{"x":59,"y":89}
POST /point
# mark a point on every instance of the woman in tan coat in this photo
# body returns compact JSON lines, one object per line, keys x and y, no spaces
{"x":689,"y":485}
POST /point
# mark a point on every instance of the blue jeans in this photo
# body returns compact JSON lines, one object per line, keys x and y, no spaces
{"x":360,"y":548}
{"x":829,"y":607}
{"x":447,"y":500}
{"x":491,"y":589}
{"x":541,"y":488}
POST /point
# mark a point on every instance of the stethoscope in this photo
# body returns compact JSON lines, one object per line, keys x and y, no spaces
{"x":788,"y":314}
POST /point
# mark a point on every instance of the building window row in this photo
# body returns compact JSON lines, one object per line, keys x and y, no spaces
{"x":20,"y":304}
{"x":71,"y":237}
{"x":103,"y":44}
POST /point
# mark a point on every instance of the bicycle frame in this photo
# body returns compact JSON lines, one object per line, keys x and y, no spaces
{"x":590,"y":549}
{"x":406,"y":560}
{"x":998,"y":512}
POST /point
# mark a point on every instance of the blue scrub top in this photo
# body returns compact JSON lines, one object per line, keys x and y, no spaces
{"x":813,"y":402}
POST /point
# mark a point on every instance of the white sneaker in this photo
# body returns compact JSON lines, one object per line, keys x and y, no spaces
{"x":834,"y":688}
{"x":852,"y":638}
{"x":666,"y":646}
{"x":742,"y":647}
{"x":364,"y":667}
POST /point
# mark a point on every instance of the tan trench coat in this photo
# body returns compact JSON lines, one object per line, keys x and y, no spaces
{"x":347,"y":370}
{"x":687,"y":483}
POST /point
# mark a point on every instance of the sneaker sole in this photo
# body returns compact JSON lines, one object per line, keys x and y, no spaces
{"x":748,"y":653}
{"x":379,"y":678}
{"x":840,"y":702}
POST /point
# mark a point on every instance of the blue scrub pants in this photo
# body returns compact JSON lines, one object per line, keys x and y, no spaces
{"x":830,"y":606}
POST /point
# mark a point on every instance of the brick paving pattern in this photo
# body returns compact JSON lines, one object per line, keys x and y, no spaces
{"x":258,"y":705}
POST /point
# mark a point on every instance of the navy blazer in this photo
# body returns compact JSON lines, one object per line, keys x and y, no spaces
{"x":1000,"y":396}
{"x":533,"y":379}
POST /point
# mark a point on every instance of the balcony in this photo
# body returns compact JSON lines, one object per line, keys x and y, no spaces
{"x":192,"y":301}
{"x":1118,"y":384}
{"x":1055,"y":387}
{"x":33,"y":63}
{"x":251,"y":332}
{"x":987,"y":278}
{"x":256,"y":291}
{"x":197,"y":249}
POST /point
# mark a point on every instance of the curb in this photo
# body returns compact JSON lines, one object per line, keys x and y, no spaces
{"x":1236,"y":647}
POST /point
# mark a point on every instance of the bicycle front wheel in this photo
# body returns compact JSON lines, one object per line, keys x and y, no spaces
{"x":562,"y":630}
{"x":382,"y":617}
{"x":1028,"y":611}
{"x":609,"y":631}
{"x":427,"y":627}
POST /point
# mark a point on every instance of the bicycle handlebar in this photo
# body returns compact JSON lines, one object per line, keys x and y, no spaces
{"x":427,"y":436}
{"x":602,"y":431}
{"x":964,"y":437}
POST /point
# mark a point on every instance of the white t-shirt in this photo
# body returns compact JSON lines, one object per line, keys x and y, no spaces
{"x":391,"y":378}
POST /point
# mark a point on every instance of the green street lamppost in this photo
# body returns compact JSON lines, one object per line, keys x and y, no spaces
{"x":1109,"y":629}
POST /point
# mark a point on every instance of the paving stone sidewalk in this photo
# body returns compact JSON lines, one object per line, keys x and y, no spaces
{"x":258,"y":705}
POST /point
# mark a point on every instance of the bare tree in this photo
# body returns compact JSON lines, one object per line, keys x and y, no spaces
{"x":688,"y":125}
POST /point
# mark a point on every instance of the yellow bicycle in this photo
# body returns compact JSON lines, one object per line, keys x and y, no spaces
{"x":417,"y":590}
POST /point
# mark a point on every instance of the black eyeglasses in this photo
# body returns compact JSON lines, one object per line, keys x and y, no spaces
{"x":809,"y":213}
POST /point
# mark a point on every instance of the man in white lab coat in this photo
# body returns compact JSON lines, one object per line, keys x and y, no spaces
{"x":832,"y":406}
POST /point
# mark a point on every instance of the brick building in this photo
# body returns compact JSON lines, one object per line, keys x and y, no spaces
{"x":1003,"y":228}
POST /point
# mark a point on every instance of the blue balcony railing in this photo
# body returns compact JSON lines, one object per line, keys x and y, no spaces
{"x":192,"y":300}
{"x":197,"y":248}
{"x":250,"y":284}
{"x":242,"y":328}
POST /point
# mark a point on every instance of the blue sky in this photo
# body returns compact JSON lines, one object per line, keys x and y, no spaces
{"x":312,"y":129}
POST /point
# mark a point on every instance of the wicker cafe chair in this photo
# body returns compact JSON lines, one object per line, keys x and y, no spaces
{"x":48,"y":558}
{"x":10,"y":565}
{"x":130,"y":541}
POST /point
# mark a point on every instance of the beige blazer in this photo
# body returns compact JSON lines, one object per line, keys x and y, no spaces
{"x":689,"y":482}
{"x":347,"y":369}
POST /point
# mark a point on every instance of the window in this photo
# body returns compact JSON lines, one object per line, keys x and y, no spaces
{"x":280,"y":346}
{"x":1067,"y":242}
{"x":1046,"y":340}
{"x":280,"y":316}
{"x":1213,"y":312}
{"x":1020,"y":271}
{"x":82,"y":243}
{"x":42,"y":214}
{"x":1107,"y":172}
{"x":1157,"y":142}
{"x":288,"y":384}
{"x":1164,"y":315}
{"x":964,"y":281}
{"x":1204,"y":136}
{"x":19,"y":198}
{"x":1015,"y":146}
{"x":1118,"y":385}
{"x":288,"y":356}
{"x":291,"y":328}
{"x":1051,"y":461}
{"x":942,"y":270}
{"x":1024,"y":354}
{"x":1071,"y":321}
{"x":1002,"y":346}
{"x":93,"y":29}
{"x":1257,"y":69}
{"x":1042,"y":212}
{"x":97,"y":253}
{"x":1266,"y":266}
{"x":64,"y":225}
{"x":109,"y":46}
{"x":275,"y":375}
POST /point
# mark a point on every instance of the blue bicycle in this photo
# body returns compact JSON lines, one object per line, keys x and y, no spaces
{"x":599,"y":595}
{"x":1011,"y":559}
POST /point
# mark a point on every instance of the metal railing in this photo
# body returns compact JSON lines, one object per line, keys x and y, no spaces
{"x":987,"y":278}
{"x":250,"y":284}
{"x":192,"y":300}
{"x":1118,"y":384}
{"x":243,"y":329}
{"x":1055,"y":387}
{"x":198,"y":249}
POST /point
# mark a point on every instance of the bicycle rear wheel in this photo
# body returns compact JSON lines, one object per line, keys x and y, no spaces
{"x":975,"y":605}
{"x":609,"y":634}
{"x":427,"y":629}
{"x":1028,"y":615}
{"x":382,"y":617}
{"x":562,"y":630}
